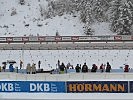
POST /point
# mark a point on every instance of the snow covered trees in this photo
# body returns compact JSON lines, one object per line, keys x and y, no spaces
{"x":122,"y":16}
{"x":99,"y":8}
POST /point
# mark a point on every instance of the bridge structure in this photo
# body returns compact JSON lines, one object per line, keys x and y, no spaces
{"x":107,"y":42}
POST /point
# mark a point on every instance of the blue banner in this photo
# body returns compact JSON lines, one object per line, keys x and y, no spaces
{"x":97,"y":87}
{"x":131,"y":86}
{"x":32,"y":86}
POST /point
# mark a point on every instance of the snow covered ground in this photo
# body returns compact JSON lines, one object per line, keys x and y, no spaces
{"x":86,"y":96}
{"x":49,"y":58}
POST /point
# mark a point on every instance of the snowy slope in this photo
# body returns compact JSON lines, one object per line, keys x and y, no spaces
{"x":102,"y":29}
{"x":29,"y":14}
{"x":27,"y":19}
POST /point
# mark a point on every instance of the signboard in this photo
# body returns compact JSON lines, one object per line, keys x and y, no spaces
{"x":41,"y":38}
{"x":94,"y":38}
{"x":97,"y":87}
{"x":117,"y":37}
{"x":25,"y":38}
{"x":33,"y":38}
{"x":17,"y":39}
{"x":58,"y":38}
{"x":125,"y":37}
{"x":32,"y":86}
{"x":131,"y":86}
{"x":50,"y":38}
{"x":106,"y":37}
{"x":84,"y":38}
{"x":2,"y":39}
{"x":74,"y":38}
{"x":9,"y":38}
{"x":66,"y":38}
{"x":67,"y":87}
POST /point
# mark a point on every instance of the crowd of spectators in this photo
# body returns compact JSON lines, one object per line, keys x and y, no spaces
{"x":84,"y":68}
{"x":62,"y":68}
{"x":30,"y":69}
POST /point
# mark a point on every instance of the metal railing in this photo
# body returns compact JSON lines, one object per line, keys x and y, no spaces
{"x":66,"y":77}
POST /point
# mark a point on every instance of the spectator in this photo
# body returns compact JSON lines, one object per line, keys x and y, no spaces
{"x":77,"y":68}
{"x":0,"y":68}
{"x":126,"y":69}
{"x":28,"y":68}
{"x":33,"y":68}
{"x":84,"y":68}
{"x":11,"y":69}
{"x":71,"y":67}
{"x":108,"y":67}
{"x":4,"y":66}
{"x":16,"y":69}
{"x":68,"y":65}
{"x":21,"y":64}
{"x":39,"y":64}
{"x":62,"y":68}
{"x":58,"y":64}
{"x":94,"y":68}
{"x":102,"y":68}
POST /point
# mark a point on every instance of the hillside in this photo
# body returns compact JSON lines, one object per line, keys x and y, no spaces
{"x":19,"y":20}
{"x":27,"y":19}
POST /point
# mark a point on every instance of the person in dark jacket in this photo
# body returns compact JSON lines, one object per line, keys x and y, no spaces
{"x":108,"y":67}
{"x":62,"y":68}
{"x":21,"y":64}
{"x":58,"y":64}
{"x":126,"y":69}
{"x":84,"y":68}
{"x":4,"y":66}
{"x":0,"y":68}
{"x":39,"y":64}
{"x":94,"y":68}
{"x":77,"y":68}
{"x":102,"y":68}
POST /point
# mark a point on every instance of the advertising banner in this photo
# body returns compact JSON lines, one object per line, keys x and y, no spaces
{"x":66,"y":87}
{"x":97,"y":87}
{"x":131,"y":86}
{"x":32,"y":86}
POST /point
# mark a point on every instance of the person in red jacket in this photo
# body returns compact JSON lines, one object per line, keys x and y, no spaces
{"x":126,"y":69}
